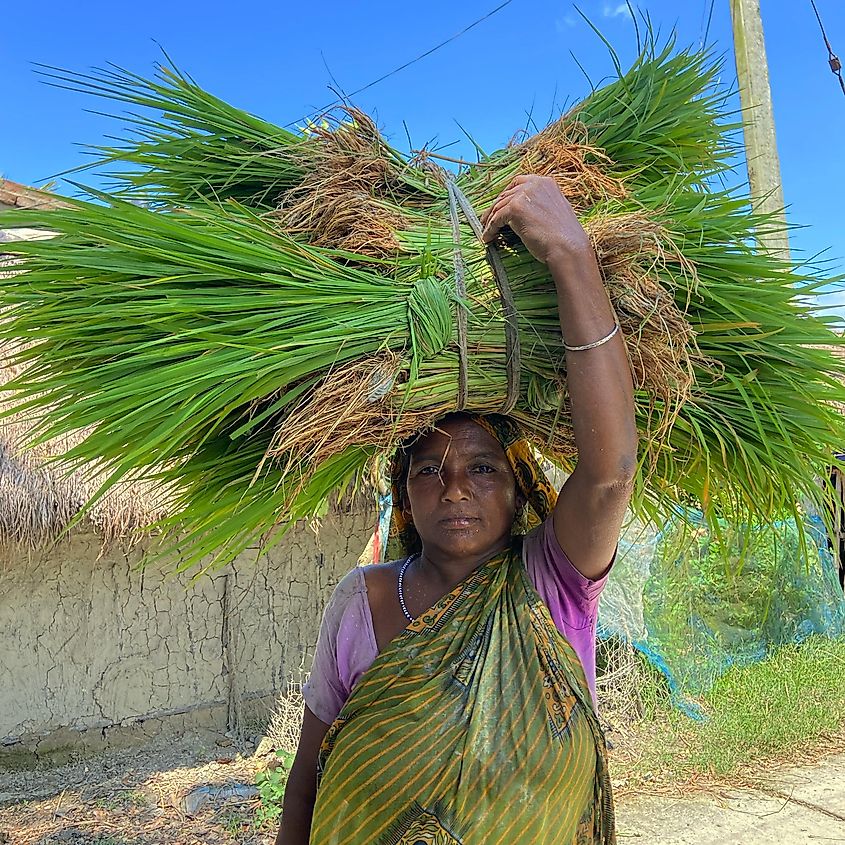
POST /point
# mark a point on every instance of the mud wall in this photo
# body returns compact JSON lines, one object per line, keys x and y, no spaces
{"x":90,"y":644}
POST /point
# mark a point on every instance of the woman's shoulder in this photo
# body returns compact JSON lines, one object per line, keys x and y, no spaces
{"x":363,"y":586}
{"x":375,"y":574}
{"x":551,"y":571}
{"x":351,"y":583}
{"x":345,"y":645}
{"x":349,"y":594}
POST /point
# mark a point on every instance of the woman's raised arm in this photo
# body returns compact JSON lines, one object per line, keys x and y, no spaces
{"x":591,"y":507}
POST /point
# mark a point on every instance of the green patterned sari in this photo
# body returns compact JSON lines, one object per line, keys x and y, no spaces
{"x":474,"y":726}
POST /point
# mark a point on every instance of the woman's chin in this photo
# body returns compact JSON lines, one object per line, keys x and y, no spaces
{"x":466,"y":544}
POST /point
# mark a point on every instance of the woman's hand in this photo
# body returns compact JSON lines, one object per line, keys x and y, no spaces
{"x":538,"y":212}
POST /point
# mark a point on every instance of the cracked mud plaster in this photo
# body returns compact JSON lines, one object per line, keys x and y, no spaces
{"x":87,"y":642}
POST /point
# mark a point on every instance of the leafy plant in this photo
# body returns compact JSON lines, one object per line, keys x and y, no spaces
{"x":271,"y":784}
{"x":232,"y":822}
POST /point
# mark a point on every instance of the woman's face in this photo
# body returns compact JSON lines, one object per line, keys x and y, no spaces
{"x":461,"y":491}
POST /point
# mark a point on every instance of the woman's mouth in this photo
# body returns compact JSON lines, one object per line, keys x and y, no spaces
{"x":459,"y":522}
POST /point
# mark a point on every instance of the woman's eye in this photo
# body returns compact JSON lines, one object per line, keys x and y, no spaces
{"x":432,"y":470}
{"x":484,"y":468}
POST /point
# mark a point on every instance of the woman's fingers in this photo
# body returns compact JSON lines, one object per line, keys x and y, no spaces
{"x":540,"y":215}
{"x":497,"y":206}
{"x":535,"y":208}
{"x":506,"y":195}
{"x":506,"y":205}
{"x":520,"y":180}
{"x":499,"y":218}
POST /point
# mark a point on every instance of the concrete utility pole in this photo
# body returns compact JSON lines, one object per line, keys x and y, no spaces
{"x":756,"y":98}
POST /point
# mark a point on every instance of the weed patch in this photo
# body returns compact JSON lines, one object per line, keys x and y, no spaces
{"x":776,"y":709}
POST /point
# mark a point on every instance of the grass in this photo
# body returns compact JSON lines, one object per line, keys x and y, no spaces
{"x":758,"y":715}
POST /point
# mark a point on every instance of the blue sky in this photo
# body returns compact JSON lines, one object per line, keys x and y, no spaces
{"x":278,"y":59}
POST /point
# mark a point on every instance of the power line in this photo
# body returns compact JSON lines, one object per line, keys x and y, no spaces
{"x":832,"y":58}
{"x":434,"y":49}
{"x":709,"y":21}
{"x":421,"y":56}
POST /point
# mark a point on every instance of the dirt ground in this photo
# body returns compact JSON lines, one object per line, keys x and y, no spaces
{"x":138,"y":797}
{"x":135,"y":797}
{"x":802,"y":805}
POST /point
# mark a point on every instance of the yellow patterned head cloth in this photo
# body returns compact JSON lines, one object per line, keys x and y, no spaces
{"x":536,"y":489}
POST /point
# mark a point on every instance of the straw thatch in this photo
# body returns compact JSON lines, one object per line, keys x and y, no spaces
{"x":40,"y":499}
{"x":15,"y":195}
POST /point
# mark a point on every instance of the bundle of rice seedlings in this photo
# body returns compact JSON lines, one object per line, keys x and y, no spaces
{"x":256,"y":317}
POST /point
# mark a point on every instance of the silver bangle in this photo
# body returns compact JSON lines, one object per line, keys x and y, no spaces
{"x":593,"y":345}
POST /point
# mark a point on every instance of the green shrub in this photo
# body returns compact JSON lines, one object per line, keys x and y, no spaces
{"x":271,"y":783}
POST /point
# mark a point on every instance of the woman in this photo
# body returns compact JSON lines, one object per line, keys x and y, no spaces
{"x":451,"y":699}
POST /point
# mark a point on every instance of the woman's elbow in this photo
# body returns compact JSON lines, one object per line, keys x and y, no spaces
{"x":626,"y":463}
{"x":626,"y":470}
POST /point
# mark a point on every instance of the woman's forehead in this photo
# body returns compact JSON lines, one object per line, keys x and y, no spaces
{"x":462,"y":438}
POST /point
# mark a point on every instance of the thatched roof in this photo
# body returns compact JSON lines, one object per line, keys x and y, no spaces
{"x":38,"y":501}
{"x":15,"y":195}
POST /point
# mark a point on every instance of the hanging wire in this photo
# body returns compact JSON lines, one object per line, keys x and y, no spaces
{"x":346,"y":97}
{"x":709,"y":21}
{"x":833,"y":59}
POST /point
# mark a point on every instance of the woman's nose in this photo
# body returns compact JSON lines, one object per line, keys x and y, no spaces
{"x":455,"y":487}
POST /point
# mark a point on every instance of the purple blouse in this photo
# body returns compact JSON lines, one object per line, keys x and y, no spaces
{"x":346,"y":647}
